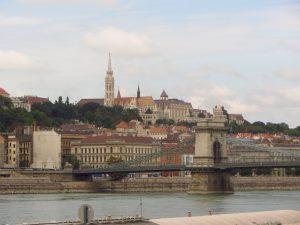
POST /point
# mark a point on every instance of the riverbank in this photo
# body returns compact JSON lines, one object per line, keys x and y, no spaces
{"x":21,"y":184}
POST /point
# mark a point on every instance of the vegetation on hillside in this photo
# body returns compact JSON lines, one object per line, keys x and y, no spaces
{"x":261,"y":127}
{"x":62,"y":112}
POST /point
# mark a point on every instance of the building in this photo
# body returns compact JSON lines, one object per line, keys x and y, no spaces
{"x":2,"y":151}
{"x":73,"y":132}
{"x":19,"y":102}
{"x":124,"y":128}
{"x":170,"y":159}
{"x":174,"y":109}
{"x":95,"y":151}
{"x":3,"y":92}
{"x":145,"y":105}
{"x":46,"y":150}
{"x":12,"y":151}
{"x":35,"y":99}
{"x":238,"y":118}
{"x":158,"y":133}
{"x":24,"y":138}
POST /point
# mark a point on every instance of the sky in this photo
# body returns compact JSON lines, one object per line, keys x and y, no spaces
{"x":242,"y":54}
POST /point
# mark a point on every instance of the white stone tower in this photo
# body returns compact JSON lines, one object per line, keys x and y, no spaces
{"x":109,"y":85}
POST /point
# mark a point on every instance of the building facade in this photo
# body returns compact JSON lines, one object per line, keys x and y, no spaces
{"x":174,"y":109}
{"x":46,"y":150}
{"x":95,"y":151}
{"x":12,"y":151}
{"x":19,"y":102}
{"x":2,"y":151}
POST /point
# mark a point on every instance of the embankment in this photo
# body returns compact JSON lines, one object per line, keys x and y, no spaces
{"x":21,"y":184}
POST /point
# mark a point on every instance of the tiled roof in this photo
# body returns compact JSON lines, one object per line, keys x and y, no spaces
{"x":123,"y":125}
{"x":172,"y":101}
{"x":157,"y":130}
{"x":35,"y":99}
{"x":83,"y":101}
{"x":235,"y":117}
{"x":181,"y":128}
{"x":137,"y":102}
{"x":125,"y":101}
{"x":145,"y":101}
{"x":112,"y":138}
{"x":3,"y":92}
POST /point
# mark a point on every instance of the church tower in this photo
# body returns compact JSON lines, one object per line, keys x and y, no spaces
{"x":109,"y":85}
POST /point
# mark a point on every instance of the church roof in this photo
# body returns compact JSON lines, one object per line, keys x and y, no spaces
{"x":136,"y":102}
{"x":163,"y":94}
{"x":3,"y":92}
{"x":145,"y":101}
{"x":123,"y":101}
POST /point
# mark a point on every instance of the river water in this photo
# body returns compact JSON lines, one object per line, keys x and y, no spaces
{"x":16,"y":209}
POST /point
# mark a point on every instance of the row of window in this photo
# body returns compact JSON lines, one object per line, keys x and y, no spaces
{"x":110,"y":150}
{"x":103,"y":159}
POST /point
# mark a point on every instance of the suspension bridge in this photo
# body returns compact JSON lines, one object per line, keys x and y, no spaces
{"x":213,"y":163}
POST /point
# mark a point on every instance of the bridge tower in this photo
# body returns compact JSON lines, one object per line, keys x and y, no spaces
{"x":210,"y":150}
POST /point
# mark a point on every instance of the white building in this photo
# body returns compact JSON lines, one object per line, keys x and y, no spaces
{"x":46,"y":150}
{"x":20,"y":103}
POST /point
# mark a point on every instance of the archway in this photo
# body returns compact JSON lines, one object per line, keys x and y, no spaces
{"x":217,"y":152}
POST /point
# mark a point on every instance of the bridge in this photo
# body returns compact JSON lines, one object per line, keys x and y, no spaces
{"x":212,"y":166}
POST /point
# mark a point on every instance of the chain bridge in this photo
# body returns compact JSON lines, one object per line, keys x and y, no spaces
{"x":277,"y":158}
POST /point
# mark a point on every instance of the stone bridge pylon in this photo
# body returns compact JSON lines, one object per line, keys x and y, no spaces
{"x":210,"y":149}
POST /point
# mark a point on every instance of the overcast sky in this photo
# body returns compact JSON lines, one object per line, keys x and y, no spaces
{"x":243,"y":54}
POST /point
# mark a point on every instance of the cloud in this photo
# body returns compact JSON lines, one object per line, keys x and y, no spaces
{"x":213,"y":69}
{"x":237,"y":106}
{"x":113,"y":4}
{"x":120,"y":42}
{"x":12,"y":60}
{"x":9,"y":21}
{"x":288,"y":73}
{"x":290,"y":95}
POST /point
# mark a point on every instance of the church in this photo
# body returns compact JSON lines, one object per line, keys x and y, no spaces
{"x":149,"y":109}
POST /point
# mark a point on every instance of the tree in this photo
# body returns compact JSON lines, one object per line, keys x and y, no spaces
{"x":72,"y":160}
{"x":113,"y":161}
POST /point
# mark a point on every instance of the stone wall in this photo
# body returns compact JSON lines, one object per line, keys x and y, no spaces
{"x":265,"y":183}
{"x":25,"y":184}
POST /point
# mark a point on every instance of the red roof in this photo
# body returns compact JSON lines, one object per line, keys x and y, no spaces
{"x":157,"y":130}
{"x":3,"y":92}
{"x":35,"y":99}
{"x":123,"y":125}
{"x":126,"y":139}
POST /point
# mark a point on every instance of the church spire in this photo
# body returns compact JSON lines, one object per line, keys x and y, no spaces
{"x":138,"y":92}
{"x":109,"y":68}
{"x":109,"y":85}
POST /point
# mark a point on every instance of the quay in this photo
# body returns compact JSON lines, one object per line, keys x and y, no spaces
{"x":280,"y":217}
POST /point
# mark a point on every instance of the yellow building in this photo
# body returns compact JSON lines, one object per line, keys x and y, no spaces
{"x":2,"y":151}
{"x":12,"y":151}
{"x":173,"y":108}
{"x":95,"y":151}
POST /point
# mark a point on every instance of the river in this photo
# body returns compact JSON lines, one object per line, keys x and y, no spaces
{"x":16,"y":209}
